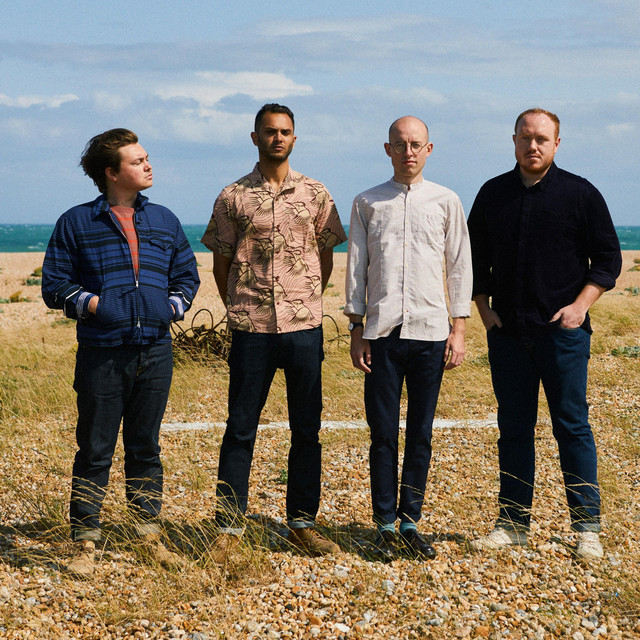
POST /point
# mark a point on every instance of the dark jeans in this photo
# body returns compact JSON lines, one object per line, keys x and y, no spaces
{"x":114,"y":384}
{"x":559,"y":359}
{"x":253,"y":361}
{"x":392,"y":361}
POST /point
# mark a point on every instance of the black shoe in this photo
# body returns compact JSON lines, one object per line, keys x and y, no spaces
{"x":386,"y":546}
{"x":416,"y":546}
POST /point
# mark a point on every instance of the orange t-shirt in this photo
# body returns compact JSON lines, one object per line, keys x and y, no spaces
{"x":124,"y":216}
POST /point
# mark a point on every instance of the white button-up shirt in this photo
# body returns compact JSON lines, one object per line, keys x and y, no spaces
{"x":400,"y":239}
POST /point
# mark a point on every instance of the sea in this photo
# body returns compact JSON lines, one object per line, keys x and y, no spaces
{"x":23,"y":238}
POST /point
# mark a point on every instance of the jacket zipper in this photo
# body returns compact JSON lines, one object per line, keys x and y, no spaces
{"x":135,"y":275}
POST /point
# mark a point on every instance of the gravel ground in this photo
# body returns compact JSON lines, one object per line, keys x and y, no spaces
{"x":268,"y":590}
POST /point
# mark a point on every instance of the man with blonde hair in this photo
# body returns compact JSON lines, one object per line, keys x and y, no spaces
{"x":544,"y":250}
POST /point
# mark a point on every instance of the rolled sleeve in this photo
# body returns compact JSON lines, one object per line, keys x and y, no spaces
{"x":605,"y":258}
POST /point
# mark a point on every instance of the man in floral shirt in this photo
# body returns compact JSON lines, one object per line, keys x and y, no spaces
{"x":272,"y":233}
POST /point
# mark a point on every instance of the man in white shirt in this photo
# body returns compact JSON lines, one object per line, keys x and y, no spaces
{"x":402,"y":233}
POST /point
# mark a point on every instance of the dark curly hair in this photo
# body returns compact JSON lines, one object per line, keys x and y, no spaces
{"x":103,"y":151}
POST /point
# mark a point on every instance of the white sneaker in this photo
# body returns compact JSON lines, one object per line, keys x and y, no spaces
{"x":589,"y":547}
{"x":499,"y":538}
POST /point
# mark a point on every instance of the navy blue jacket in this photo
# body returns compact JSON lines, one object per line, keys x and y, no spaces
{"x":534,"y":249}
{"x":88,"y":255}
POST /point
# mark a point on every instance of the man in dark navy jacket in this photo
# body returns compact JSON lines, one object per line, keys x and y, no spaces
{"x":544,"y":250}
{"x":123,"y":268}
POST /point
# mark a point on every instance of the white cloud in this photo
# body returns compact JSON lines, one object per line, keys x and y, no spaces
{"x":357,"y":27}
{"x":422,"y":94}
{"x":210,"y":87}
{"x":210,"y":126}
{"x":46,"y":102}
{"x":111,"y":102}
{"x":622,"y":129}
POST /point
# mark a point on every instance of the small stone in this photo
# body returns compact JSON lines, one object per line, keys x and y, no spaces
{"x":314,"y":621}
{"x":342,"y":628}
{"x":340,"y":571}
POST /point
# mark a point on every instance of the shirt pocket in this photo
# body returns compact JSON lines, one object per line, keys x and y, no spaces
{"x":115,"y":306}
{"x":429,"y":228}
{"x":159,"y":253}
{"x":385,"y":230}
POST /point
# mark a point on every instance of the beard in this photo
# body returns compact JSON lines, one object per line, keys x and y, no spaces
{"x":276,"y":155}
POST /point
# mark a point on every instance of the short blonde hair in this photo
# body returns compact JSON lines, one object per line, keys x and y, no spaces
{"x":552,"y":116}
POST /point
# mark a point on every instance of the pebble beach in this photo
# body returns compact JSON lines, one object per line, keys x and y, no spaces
{"x":268,"y":590}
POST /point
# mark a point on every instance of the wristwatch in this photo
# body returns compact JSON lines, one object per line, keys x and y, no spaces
{"x":353,"y":325}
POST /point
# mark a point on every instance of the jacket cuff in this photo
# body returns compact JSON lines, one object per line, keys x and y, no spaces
{"x":178,"y":307}
{"x":82,"y":304}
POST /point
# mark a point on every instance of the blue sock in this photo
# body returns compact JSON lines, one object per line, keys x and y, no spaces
{"x":387,"y":526}
{"x":408,"y":526}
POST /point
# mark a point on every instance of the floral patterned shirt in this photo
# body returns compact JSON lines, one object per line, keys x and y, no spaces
{"x":274,"y":241}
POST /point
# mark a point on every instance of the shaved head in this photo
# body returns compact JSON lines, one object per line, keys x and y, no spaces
{"x":408,"y":148}
{"x":400,"y":121}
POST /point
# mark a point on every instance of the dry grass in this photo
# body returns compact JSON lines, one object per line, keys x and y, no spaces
{"x":37,"y":409}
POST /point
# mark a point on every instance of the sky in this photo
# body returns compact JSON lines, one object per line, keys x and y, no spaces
{"x":189,"y":76}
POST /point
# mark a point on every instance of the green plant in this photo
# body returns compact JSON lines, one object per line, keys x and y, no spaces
{"x":628,"y":352}
{"x":17,"y":296}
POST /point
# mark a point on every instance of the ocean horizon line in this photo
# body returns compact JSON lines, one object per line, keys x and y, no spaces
{"x":34,"y":237}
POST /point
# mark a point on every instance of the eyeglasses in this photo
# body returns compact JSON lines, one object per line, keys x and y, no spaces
{"x":416,"y":147}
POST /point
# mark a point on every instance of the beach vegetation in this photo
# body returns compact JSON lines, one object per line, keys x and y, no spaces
{"x":16,"y":296}
{"x":267,"y":589}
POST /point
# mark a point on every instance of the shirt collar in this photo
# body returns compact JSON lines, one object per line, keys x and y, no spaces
{"x":548,"y":178}
{"x":289,"y":182}
{"x":101,"y":204}
{"x":400,"y":186}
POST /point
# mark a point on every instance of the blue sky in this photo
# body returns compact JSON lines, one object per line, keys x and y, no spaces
{"x":189,"y":76}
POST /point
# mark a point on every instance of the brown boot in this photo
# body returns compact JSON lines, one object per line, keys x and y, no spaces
{"x":223,"y":548}
{"x":83,"y":562}
{"x":157,"y":552}
{"x":309,"y":540}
